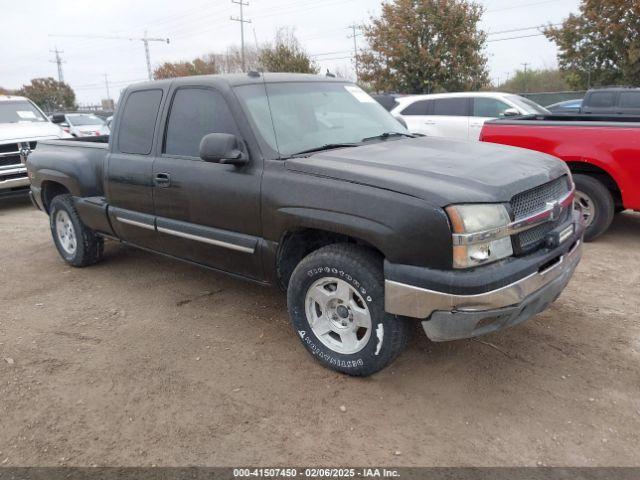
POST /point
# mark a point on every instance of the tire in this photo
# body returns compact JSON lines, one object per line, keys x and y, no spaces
{"x":76,"y":243}
{"x":339,"y":289}
{"x":597,"y":204}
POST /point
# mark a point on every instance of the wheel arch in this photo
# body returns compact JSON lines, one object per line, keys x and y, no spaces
{"x":600,"y":174}
{"x":50,"y":190}
{"x":296,"y":244}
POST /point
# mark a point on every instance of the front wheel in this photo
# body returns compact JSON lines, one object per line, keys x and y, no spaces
{"x":596,"y":204}
{"x":336,"y":304}
{"x":76,"y":243}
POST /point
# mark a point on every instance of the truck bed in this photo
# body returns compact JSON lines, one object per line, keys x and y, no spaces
{"x":82,"y":158}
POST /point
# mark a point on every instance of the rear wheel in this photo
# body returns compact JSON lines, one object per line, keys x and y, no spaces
{"x":76,"y":243}
{"x":336,"y":304}
{"x":596,"y":204}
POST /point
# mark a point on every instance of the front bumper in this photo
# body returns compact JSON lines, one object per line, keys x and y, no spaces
{"x":451,"y":316}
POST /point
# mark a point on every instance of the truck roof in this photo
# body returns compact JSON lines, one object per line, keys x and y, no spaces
{"x":235,"y":79}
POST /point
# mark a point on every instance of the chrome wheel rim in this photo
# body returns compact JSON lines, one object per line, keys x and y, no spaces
{"x":65,"y":232}
{"x":338,"y":315}
{"x":586,"y":206}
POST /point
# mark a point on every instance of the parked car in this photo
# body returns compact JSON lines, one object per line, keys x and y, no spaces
{"x":109,"y":120}
{"x":81,"y":124}
{"x":568,"y":106}
{"x":307,"y":183}
{"x":612,"y":100}
{"x":22,"y":126}
{"x":602,"y":152}
{"x":388,"y":100}
{"x":460,"y":115}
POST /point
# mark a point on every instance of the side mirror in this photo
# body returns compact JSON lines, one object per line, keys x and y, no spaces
{"x":402,"y":122}
{"x":57,"y":118}
{"x":511,"y":112}
{"x":222,"y":148}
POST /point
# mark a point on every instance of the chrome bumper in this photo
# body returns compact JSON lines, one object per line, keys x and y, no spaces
{"x":477,"y":310}
{"x":14,"y":182}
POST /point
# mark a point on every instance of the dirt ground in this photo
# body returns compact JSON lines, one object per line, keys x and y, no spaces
{"x":142,"y":360}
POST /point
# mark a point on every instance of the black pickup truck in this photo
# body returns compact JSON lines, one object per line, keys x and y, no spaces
{"x":305,"y":182}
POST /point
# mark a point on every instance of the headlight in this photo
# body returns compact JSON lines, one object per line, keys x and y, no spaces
{"x":475,"y":227}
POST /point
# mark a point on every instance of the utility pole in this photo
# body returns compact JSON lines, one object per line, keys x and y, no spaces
{"x":355,"y":36}
{"x":106,"y":83}
{"x":242,"y":21}
{"x":525,"y":65}
{"x":59,"y":61}
{"x":145,"y":40}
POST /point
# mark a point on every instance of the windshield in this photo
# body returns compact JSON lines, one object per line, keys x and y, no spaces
{"x":84,"y":119}
{"x":20,"y":111}
{"x":528,"y":106}
{"x":299,"y":117}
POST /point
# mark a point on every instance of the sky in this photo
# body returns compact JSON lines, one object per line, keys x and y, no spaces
{"x":31,"y":29}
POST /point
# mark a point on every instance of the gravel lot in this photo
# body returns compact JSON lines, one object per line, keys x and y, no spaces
{"x":142,"y":360}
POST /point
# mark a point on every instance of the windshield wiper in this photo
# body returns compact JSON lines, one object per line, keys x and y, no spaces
{"x":326,"y":146}
{"x":385,"y":135}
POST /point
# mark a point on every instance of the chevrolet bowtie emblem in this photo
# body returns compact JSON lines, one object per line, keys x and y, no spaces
{"x":555,"y":210}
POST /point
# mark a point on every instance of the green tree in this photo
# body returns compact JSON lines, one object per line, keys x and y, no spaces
{"x":543,"y":80}
{"x":49,"y":94}
{"x":424,"y":46}
{"x":286,"y":54}
{"x":600,"y":45}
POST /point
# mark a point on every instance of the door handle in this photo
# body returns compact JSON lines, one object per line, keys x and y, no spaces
{"x":477,"y":124}
{"x":162,"y":180}
{"x":429,"y":122}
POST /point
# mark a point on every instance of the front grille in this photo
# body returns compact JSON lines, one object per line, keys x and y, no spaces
{"x":10,"y":153}
{"x":7,"y":160}
{"x":533,"y":201}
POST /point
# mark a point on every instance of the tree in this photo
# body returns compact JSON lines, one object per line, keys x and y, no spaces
{"x":199,"y":66}
{"x":49,"y":94}
{"x":5,"y":91}
{"x":212,"y":63}
{"x":286,"y":55}
{"x":422,"y":46}
{"x":533,"y":81}
{"x":600,"y":45}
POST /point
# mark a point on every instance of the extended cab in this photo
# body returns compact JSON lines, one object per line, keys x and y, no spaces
{"x":307,"y":183}
{"x":602,"y":152}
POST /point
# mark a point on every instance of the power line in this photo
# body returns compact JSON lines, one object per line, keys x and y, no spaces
{"x":242,"y":21}
{"x":58,"y":61}
{"x":513,"y":30}
{"x":355,"y":36}
{"x":515,"y":38}
{"x":145,"y":40}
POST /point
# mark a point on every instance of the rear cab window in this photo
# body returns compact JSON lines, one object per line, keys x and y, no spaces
{"x":138,"y":122}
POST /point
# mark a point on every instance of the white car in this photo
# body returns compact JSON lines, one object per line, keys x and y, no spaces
{"x":81,"y":124}
{"x":22,"y":125}
{"x":460,"y":115}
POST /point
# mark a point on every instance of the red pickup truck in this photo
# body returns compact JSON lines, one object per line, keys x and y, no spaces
{"x":603,"y":154}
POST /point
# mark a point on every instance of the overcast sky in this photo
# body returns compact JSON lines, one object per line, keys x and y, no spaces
{"x":197,"y":27}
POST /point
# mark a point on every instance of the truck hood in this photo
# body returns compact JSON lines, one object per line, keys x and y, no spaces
{"x":438,"y":170}
{"x":15,"y":132}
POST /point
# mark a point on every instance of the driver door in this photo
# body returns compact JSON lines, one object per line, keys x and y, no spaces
{"x":208,"y":213}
